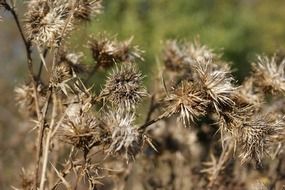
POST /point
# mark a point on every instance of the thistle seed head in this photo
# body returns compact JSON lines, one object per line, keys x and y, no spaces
{"x":216,"y":84}
{"x":86,"y":9}
{"x":83,"y":131}
{"x":249,"y":94}
{"x":174,"y":57}
{"x":258,"y":136}
{"x":46,"y":20}
{"x":73,"y":60}
{"x":124,"y":87}
{"x":269,"y":74}
{"x":200,"y":53}
{"x":107,"y":51}
{"x":24,"y":96}
{"x":61,"y":73}
{"x":179,"y":56}
{"x":187,"y":101}
{"x":126,"y":139}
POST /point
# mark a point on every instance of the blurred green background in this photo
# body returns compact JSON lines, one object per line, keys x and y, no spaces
{"x":239,"y":29}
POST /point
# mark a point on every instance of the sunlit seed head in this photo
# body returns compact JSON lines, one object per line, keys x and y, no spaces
{"x":46,"y":21}
{"x":126,"y":139}
{"x":82,"y":131}
{"x":217,"y":85}
{"x":187,"y":101}
{"x":124,"y":87}
{"x":257,"y":137}
{"x":269,"y":74}
{"x":107,"y":51}
{"x":85,"y":10}
{"x":25,"y":98}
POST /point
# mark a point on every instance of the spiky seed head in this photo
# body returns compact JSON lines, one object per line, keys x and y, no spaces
{"x":249,"y":94}
{"x":108,"y":51}
{"x":269,"y":74}
{"x":179,"y":56}
{"x":186,"y":100}
{"x":173,"y":56}
{"x":61,"y":73}
{"x":82,"y":131}
{"x":124,"y":87}
{"x":126,"y":139}
{"x":216,"y":84}
{"x":125,"y":51}
{"x":25,"y":99}
{"x":199,"y":53}
{"x":73,"y":60}
{"x":258,"y":136}
{"x":86,"y":9}
{"x":102,"y":50}
{"x":46,"y":20}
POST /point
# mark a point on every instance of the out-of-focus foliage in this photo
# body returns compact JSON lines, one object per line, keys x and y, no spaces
{"x":241,"y":27}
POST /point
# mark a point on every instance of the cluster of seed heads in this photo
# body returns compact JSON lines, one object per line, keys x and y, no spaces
{"x":197,"y":85}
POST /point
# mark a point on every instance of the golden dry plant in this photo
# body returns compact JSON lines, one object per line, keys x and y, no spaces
{"x":202,"y":130}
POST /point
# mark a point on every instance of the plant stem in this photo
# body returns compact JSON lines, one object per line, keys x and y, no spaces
{"x":143,"y":127}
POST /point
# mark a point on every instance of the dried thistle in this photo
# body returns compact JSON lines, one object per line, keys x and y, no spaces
{"x":26,"y":179}
{"x":74,"y":61}
{"x":198,"y":52}
{"x":106,"y":52}
{"x":249,"y":94}
{"x":25,"y":98}
{"x":83,"y":131}
{"x":61,"y":73}
{"x":86,"y":9}
{"x":124,"y":87}
{"x":269,"y":74}
{"x":46,"y":20}
{"x":126,"y":139}
{"x":216,"y":84}
{"x":257,"y":136}
{"x":177,"y":56}
{"x":173,"y":56}
{"x":186,"y":100}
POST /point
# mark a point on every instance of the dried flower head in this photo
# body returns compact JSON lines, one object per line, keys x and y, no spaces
{"x":73,"y":60}
{"x":247,"y":93}
{"x":216,"y":84}
{"x":86,"y":9}
{"x":269,"y":74}
{"x":198,"y":52}
{"x":46,"y":21}
{"x":82,"y":131}
{"x":26,"y":179}
{"x":124,"y":86}
{"x":174,"y":57}
{"x":61,"y":73}
{"x":126,"y":139}
{"x":179,"y":56}
{"x":25,"y":98}
{"x":125,"y":51}
{"x":258,"y":135}
{"x":187,"y":101}
{"x":107,"y":51}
